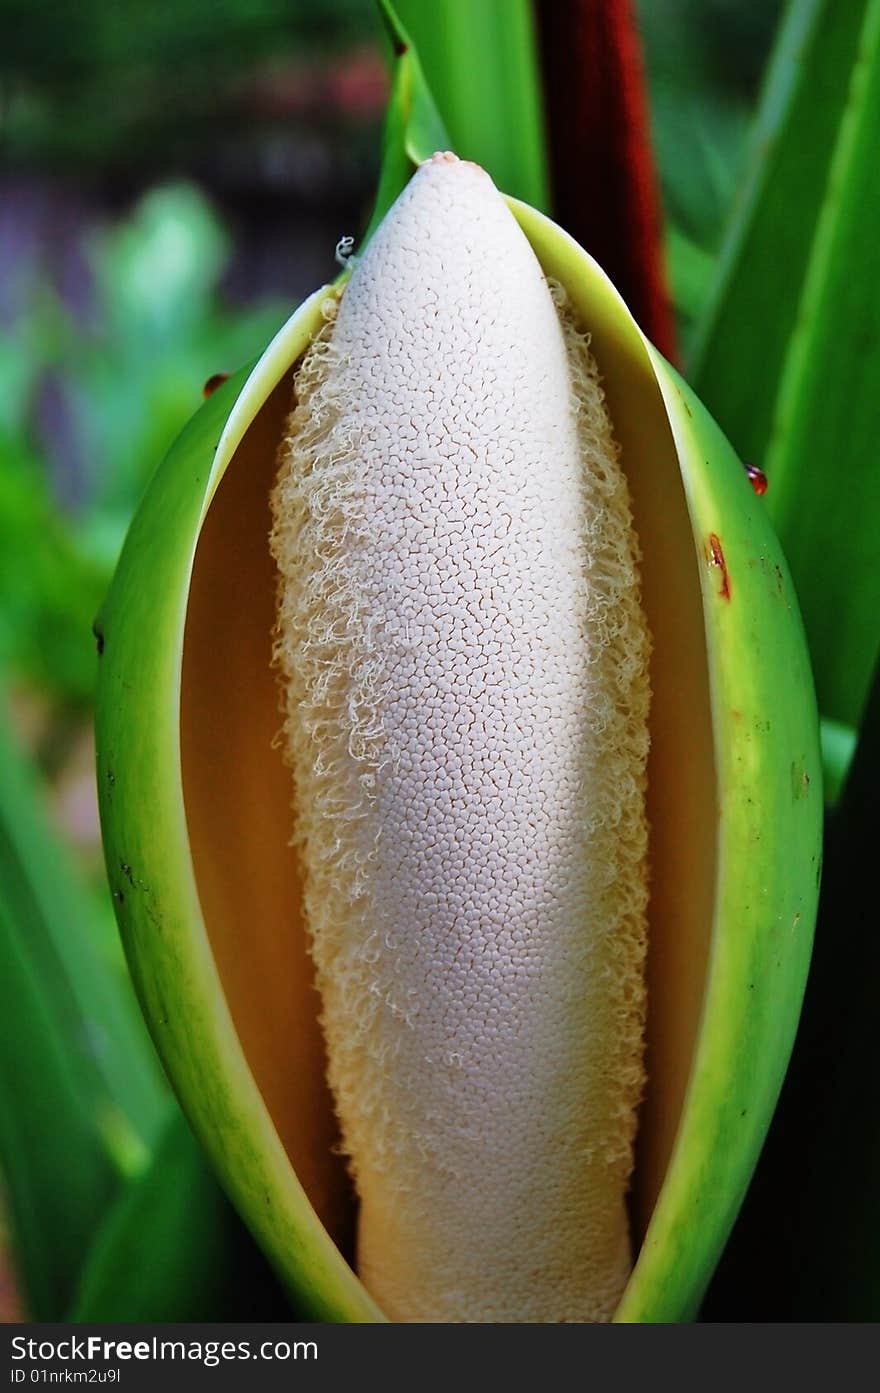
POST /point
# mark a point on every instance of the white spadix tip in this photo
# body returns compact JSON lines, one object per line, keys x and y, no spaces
{"x":447,"y":160}
{"x":465,"y":660}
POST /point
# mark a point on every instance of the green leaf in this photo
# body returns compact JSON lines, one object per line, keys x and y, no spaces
{"x":80,"y":1096}
{"x":413,"y":127}
{"x":789,"y":356}
{"x":838,"y":747}
{"x":690,"y":271}
{"x":480,"y":60}
{"x":120,"y":387}
{"x":38,"y":883}
{"x":172,"y":1249}
{"x":57,"y":1174}
{"x":483,"y":60}
{"x":51,"y":585}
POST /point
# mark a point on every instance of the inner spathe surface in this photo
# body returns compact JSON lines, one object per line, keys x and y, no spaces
{"x":238,"y":793}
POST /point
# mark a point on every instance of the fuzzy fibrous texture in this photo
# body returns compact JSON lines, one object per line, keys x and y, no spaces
{"x":465,"y":664}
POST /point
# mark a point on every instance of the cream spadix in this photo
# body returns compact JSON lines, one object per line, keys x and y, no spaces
{"x":465,"y":663}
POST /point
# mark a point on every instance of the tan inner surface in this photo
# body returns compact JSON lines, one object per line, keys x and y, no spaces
{"x":682,"y":792}
{"x":238,"y":797}
{"x":237,"y":793}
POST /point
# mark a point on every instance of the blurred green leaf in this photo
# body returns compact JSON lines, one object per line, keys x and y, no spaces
{"x":59,"y":922}
{"x":124,"y":381}
{"x":81,"y":1099}
{"x":789,"y":356}
{"x":51,"y":583}
{"x":20,"y":366}
{"x":480,"y":61}
{"x":134,"y":383}
{"x":156,"y":272}
{"x":57,"y":1174}
{"x":704,"y":61}
{"x":691,"y":270}
{"x":170,"y":1248}
{"x":838,"y":747}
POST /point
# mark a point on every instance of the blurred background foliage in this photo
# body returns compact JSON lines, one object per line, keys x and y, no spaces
{"x":175,"y":177}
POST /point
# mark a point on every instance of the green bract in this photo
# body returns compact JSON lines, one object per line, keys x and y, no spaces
{"x":194,"y":801}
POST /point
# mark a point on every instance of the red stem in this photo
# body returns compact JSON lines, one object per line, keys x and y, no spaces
{"x":601,"y":164}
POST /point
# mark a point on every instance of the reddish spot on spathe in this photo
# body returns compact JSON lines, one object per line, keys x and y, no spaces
{"x":716,"y":558}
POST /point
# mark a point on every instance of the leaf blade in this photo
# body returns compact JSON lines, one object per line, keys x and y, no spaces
{"x":172,"y":1249}
{"x":80,"y":1098}
{"x":809,"y":227}
{"x":480,"y":60}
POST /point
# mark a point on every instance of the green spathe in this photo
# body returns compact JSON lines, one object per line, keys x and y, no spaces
{"x":748,"y":831}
